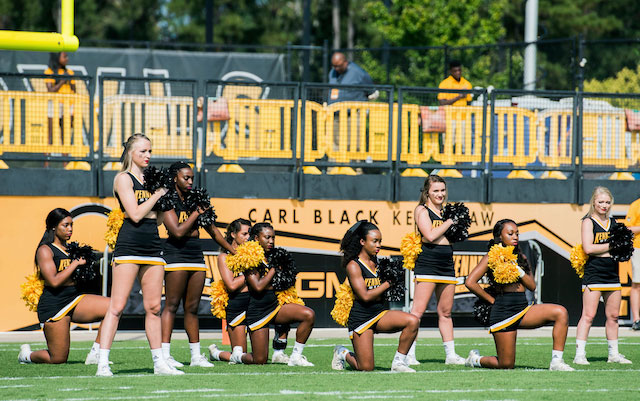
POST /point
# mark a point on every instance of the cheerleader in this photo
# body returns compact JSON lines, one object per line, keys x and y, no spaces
{"x":511,"y":310}
{"x":61,"y":301}
{"x":236,"y":311}
{"x":185,"y":271}
{"x":434,"y":267}
{"x":601,"y":277}
{"x":370,"y":313}
{"x":264,"y":309}
{"x":138,"y":253}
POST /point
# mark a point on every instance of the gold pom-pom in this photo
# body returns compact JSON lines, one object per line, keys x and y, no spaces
{"x":578,"y":259}
{"x":114,"y":222}
{"x":219,"y":299}
{"x":31,"y":290}
{"x":289,"y":296}
{"x":344,"y":302}
{"x":504,"y":264}
{"x":410,"y":248}
{"x":249,"y":255}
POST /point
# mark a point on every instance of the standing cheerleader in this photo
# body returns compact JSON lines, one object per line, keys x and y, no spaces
{"x":601,"y":277}
{"x":510,"y":309}
{"x":264,"y":309}
{"x":236,"y":310}
{"x":369,"y":313}
{"x":434,"y":267}
{"x":138,"y":253}
{"x":61,"y":301}
{"x":185,"y":271}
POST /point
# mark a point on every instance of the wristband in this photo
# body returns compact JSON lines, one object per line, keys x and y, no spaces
{"x":521,"y":272}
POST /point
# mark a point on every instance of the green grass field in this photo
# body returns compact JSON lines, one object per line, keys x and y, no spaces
{"x":134,"y":380}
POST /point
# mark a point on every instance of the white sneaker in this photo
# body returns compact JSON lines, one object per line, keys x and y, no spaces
{"x":104,"y":371}
{"x":201,"y":362}
{"x":213,"y":349}
{"x":581,"y":360}
{"x":473,"y":355}
{"x":299,"y":360}
{"x":280,"y":357}
{"x":401,"y":367}
{"x":23,"y":355}
{"x":337,"y":362}
{"x":236,"y":358}
{"x":619,"y":359}
{"x":161,"y":367}
{"x":454,"y":359}
{"x":173,"y":363}
{"x":412,"y":361}
{"x":559,"y":365}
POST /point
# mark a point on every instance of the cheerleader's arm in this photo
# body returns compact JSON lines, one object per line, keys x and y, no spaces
{"x":179,"y":230}
{"x":48,"y":271}
{"x":232,"y":283}
{"x":431,"y":234}
{"x":476,"y":274}
{"x":587,"y":240}
{"x":124,"y":188}
{"x":219,"y":238}
{"x":359,"y":288}
{"x":257,"y":283}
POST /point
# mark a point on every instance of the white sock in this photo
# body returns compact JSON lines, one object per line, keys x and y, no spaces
{"x":449,"y":348}
{"x":613,"y":347}
{"x":556,"y":354}
{"x":412,"y":350}
{"x":399,"y":357}
{"x":195,"y":349}
{"x":95,"y":348}
{"x":29,"y":357}
{"x":475,"y":361}
{"x":238,"y":350}
{"x":344,"y":353}
{"x":166,"y":350}
{"x":297,"y":348}
{"x":157,"y":355}
{"x":103,"y":356}
{"x":581,"y":346}
{"x":278,"y":351}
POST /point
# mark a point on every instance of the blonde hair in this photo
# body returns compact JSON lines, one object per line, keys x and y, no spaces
{"x":128,"y":146}
{"x":598,"y":191}
{"x":427,"y":184}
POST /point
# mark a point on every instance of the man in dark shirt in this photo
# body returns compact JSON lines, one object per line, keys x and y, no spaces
{"x":348,"y":73}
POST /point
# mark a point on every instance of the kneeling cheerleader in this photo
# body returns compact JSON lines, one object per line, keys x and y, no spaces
{"x":509,"y":274}
{"x":369,"y":312}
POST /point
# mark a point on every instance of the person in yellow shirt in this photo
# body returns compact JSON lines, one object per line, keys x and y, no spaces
{"x":61,"y":84}
{"x":454,"y":81}
{"x":633,"y":222}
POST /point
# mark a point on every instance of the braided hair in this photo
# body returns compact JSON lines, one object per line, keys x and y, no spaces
{"x":350,"y":244}
{"x":257,"y":229}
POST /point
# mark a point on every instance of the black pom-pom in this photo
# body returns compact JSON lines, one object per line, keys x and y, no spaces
{"x":391,"y":270}
{"x":459,"y":213}
{"x":156,"y":178}
{"x":482,"y":308}
{"x":88,"y":272}
{"x":286,"y":269}
{"x":167,"y":202}
{"x":199,"y":198}
{"x":620,"y":243}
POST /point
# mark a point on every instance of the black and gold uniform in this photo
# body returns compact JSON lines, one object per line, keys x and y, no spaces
{"x":435,"y":262}
{"x":56,"y":303}
{"x":364,"y":315}
{"x":237,"y":307}
{"x":138,"y":243}
{"x":601,"y":273}
{"x":263,"y":307}
{"x":183,"y":253}
{"x":508,"y":308}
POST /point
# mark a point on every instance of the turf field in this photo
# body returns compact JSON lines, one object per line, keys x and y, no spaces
{"x":134,"y":380}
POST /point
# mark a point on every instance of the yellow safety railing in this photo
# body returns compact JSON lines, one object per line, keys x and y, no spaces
{"x":315,"y":130}
{"x":415,"y":147}
{"x":166,"y":120}
{"x":554,"y":130}
{"x":462,"y":139}
{"x":511,"y":134}
{"x":40,"y":130}
{"x":604,"y":139}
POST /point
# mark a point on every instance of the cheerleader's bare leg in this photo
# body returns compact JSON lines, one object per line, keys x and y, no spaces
{"x":362,"y":358}
{"x":259,"y":347}
{"x":541,"y":314}
{"x":175,"y":283}
{"x":444,"y":296}
{"x":406,"y":323}
{"x":151,"y":283}
{"x":123,"y":277}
